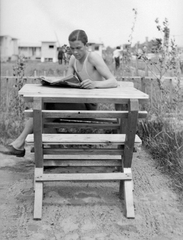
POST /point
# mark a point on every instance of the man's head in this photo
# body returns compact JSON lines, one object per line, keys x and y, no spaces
{"x":78,"y":40}
{"x":78,"y":35}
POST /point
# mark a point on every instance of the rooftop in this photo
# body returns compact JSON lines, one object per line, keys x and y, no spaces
{"x":26,"y":44}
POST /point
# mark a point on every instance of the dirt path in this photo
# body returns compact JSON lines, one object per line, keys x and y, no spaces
{"x":88,"y":211}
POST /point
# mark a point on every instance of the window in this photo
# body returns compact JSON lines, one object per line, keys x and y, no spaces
{"x":51,"y":46}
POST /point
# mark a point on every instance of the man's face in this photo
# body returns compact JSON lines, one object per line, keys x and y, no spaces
{"x":78,"y":49}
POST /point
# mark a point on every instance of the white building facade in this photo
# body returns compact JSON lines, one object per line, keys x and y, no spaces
{"x":9,"y":48}
{"x":31,"y":51}
{"x":48,"y":51}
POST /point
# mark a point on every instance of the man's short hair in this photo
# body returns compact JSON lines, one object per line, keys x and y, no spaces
{"x":78,"y":35}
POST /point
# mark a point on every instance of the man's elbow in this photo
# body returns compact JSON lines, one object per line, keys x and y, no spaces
{"x":115,"y":82}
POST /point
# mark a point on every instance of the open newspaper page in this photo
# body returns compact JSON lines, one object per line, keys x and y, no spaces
{"x":66,"y":81}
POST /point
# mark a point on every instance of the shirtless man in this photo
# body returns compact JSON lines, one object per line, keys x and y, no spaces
{"x":92,"y":71}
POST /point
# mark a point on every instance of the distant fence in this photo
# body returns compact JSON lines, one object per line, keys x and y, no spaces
{"x":138,"y":66}
{"x":9,"y":87}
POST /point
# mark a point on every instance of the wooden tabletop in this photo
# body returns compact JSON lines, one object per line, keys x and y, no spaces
{"x":124,"y":91}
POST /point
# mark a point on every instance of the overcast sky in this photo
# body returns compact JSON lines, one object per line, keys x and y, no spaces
{"x":108,"y":21}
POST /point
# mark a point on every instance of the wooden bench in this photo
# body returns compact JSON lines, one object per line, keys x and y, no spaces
{"x":113,"y":150}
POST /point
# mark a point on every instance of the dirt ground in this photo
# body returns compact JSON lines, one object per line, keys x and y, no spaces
{"x":88,"y":211}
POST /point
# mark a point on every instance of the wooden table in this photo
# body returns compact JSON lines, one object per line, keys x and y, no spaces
{"x":125,"y":137}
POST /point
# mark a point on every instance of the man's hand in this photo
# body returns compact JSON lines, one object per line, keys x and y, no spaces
{"x":88,"y":84}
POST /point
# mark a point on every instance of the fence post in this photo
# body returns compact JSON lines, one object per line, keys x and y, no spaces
{"x":151,"y":91}
{"x":137,"y":67}
{"x":146,"y":70}
{"x":7,"y":94}
{"x":143,"y":87}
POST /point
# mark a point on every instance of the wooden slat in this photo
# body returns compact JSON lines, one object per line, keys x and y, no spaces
{"x":128,"y":195}
{"x":58,"y":98}
{"x":83,"y":158}
{"x":86,"y":163}
{"x":38,"y":198}
{"x":118,"y":95}
{"x":105,"y":139}
{"x":110,"y":120}
{"x":85,"y":114}
{"x":84,"y":151}
{"x":130,"y":132}
{"x":37,"y":129}
{"x":83,"y":177}
{"x":102,"y":120}
{"x":82,"y":114}
{"x":38,"y":195}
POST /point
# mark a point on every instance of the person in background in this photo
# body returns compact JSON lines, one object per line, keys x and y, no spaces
{"x":117,"y":57}
{"x":68,"y":54}
{"x":60,"y":55}
{"x":93,"y":72}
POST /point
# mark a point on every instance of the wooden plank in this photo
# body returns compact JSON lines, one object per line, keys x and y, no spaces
{"x":131,"y":132}
{"x":80,"y":157}
{"x":82,"y":114}
{"x":128,"y":195}
{"x":122,"y":130}
{"x":84,"y":151}
{"x":38,"y":198}
{"x":112,"y":95}
{"x":86,"y":163}
{"x":59,"y":99}
{"x":105,"y":115}
{"x":83,"y":177}
{"x":110,"y":120}
{"x":88,"y":120}
{"x":38,"y":195}
{"x":89,"y":114}
{"x":37,"y":129}
{"x":105,"y":139}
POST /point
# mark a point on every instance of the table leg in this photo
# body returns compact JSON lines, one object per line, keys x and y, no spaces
{"x":37,"y":129}
{"x":128,"y":156}
{"x":38,"y":195}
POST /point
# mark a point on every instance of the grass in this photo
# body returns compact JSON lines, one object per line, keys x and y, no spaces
{"x":161,"y":132}
{"x":48,"y":68}
{"x":165,"y":144}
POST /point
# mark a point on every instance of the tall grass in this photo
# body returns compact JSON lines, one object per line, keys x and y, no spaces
{"x":12,"y":116}
{"x":162,"y":134}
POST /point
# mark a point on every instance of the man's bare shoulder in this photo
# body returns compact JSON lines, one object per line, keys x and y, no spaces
{"x":94,"y":57}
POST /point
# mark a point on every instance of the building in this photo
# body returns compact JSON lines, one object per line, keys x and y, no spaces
{"x":30,"y":51}
{"x":9,"y":48}
{"x":48,"y":51}
{"x":95,"y":46}
{"x":44,"y":51}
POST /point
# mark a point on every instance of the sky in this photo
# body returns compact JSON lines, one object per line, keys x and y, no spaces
{"x":106,"y":21}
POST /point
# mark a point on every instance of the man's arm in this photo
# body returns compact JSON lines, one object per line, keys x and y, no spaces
{"x":109,"y":82}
